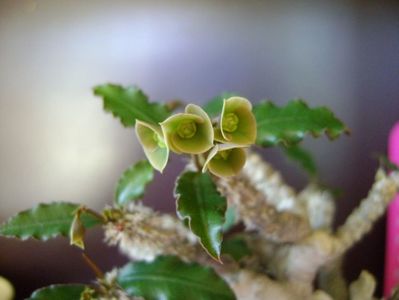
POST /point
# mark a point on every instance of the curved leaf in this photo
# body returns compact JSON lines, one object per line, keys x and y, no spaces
{"x":302,"y":157}
{"x":168,"y":278}
{"x":289,"y":125}
{"x":45,"y":221}
{"x":199,"y":201}
{"x":129,"y":104}
{"x":59,"y":292}
{"x":132,"y":183}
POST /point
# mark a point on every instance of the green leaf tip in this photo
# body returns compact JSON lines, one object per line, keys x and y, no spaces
{"x":59,"y":292}
{"x":288,"y":125}
{"x":189,"y":132}
{"x":130,"y":103}
{"x":133,"y":182}
{"x":169,"y":278}
{"x":199,"y":201}
{"x":45,"y":221}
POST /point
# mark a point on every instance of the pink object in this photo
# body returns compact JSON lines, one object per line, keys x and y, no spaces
{"x":392,"y":238}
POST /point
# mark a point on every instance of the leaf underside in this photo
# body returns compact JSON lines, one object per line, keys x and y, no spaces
{"x":130,"y":103}
{"x":288,"y":125}
{"x":302,"y":157}
{"x":131,"y":185}
{"x":44,"y":221}
{"x":199,"y":201}
{"x":168,"y":278}
{"x":59,"y":292}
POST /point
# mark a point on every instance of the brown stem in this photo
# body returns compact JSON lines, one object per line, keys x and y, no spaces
{"x":93,"y":266}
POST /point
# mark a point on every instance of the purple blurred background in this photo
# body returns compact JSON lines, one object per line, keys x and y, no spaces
{"x":58,"y":145}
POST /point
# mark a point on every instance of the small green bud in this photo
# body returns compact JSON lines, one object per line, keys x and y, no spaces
{"x":77,"y":231}
{"x":189,"y":132}
{"x":237,"y":122}
{"x":225,"y":160}
{"x":153,"y":143}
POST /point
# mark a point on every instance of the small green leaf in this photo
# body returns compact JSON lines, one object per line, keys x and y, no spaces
{"x":387,"y":164}
{"x":45,"y":221}
{"x":132,"y":184}
{"x":199,"y":201}
{"x":168,"y":278}
{"x":236,"y":247}
{"x":302,"y":157}
{"x":129,"y":104}
{"x":214,"y":106}
{"x":289,"y":125}
{"x":59,"y":292}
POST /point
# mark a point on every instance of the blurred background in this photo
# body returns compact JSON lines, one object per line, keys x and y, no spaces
{"x":56,"y":144}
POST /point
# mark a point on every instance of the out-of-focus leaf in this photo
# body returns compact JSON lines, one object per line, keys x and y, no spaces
{"x":302,"y":157}
{"x":59,"y":292}
{"x":168,"y":278}
{"x":45,"y":221}
{"x":130,"y":103}
{"x":236,"y":247}
{"x":214,"y":106}
{"x":289,"y":124}
{"x":199,"y":201}
{"x":132,"y":183}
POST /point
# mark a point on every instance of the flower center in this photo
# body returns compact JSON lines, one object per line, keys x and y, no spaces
{"x":224,"y":154}
{"x":160,"y":142}
{"x":187,"y":129}
{"x":230,"y":122}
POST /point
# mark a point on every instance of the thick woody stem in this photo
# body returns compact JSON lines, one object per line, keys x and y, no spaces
{"x":362,"y":219}
{"x":257,"y":214}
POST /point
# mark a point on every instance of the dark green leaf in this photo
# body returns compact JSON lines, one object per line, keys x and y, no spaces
{"x":236,"y":247}
{"x":129,"y":104}
{"x":199,"y":201}
{"x":289,"y":125}
{"x":45,"y":221}
{"x":168,"y":278}
{"x":214,"y":107}
{"x":59,"y":292}
{"x":132,"y":184}
{"x":302,"y":157}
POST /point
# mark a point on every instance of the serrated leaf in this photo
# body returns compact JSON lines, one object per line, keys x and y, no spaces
{"x":45,"y":221}
{"x":168,"y":278}
{"x":289,"y":124}
{"x":236,"y":247}
{"x":214,"y":106}
{"x":59,"y":292}
{"x":302,"y":157}
{"x":130,"y":103}
{"x":132,"y":183}
{"x":199,"y":201}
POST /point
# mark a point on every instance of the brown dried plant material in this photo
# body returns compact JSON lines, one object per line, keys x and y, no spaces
{"x":143,"y":234}
{"x":257,"y":214}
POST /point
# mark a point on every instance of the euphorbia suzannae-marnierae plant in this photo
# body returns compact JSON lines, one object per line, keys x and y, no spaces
{"x":240,"y":232}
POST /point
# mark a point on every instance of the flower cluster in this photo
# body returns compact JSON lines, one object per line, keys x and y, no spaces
{"x":219,"y":145}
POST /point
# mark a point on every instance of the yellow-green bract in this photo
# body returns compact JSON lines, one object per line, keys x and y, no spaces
{"x":225,"y":160}
{"x":237,"y":122}
{"x":152,"y":140}
{"x":189,"y":132}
